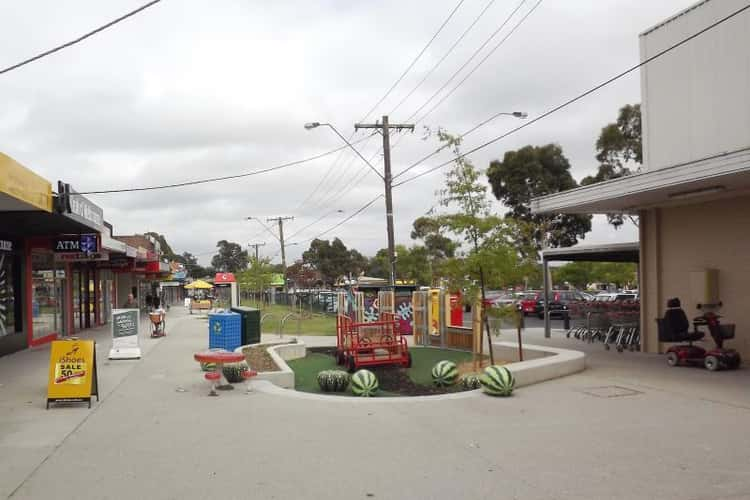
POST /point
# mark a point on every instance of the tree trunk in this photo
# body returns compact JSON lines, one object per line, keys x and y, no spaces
{"x":484,"y":317}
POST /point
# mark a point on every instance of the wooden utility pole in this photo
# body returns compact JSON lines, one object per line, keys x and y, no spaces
{"x":256,"y":245}
{"x":384,"y":128}
{"x":281,"y":220}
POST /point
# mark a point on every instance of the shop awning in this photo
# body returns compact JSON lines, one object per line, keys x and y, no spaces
{"x":720,"y":176}
{"x":21,"y":189}
{"x":38,"y":223}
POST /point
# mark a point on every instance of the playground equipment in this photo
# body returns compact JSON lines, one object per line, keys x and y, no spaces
{"x":158,"y":323}
{"x":371,"y":343}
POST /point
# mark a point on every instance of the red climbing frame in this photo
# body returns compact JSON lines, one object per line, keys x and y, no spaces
{"x":371,"y":344}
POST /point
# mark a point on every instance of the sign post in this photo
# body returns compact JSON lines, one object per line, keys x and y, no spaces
{"x":73,"y":375}
{"x":125,"y":334}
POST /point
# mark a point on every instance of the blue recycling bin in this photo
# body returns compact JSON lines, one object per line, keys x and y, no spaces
{"x":224,"y":331}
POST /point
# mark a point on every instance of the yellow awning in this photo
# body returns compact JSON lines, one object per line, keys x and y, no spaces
{"x":198,"y":284}
{"x":24,"y":185}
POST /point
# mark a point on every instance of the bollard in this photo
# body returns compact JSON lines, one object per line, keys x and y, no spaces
{"x":566,"y":320}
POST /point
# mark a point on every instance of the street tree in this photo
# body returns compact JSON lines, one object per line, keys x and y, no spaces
{"x":256,"y":277}
{"x":194,"y":270}
{"x":230,"y":258}
{"x":530,"y":172}
{"x":333,"y":260}
{"x":619,"y":150}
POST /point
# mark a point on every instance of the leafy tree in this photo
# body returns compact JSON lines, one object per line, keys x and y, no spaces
{"x":231,"y":257}
{"x":413,"y":264}
{"x":619,"y":149}
{"x":530,"y":172}
{"x":190,"y":262}
{"x":581,"y":274}
{"x":303,"y":275}
{"x":437,"y":245}
{"x":166,"y":250}
{"x":333,"y":260}
{"x":257,"y":276}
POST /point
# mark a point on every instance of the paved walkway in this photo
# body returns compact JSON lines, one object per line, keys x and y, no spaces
{"x":665,"y":433}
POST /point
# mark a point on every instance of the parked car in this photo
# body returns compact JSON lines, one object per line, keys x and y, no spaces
{"x":528,"y":301}
{"x":615,"y":296}
{"x":559,"y":304}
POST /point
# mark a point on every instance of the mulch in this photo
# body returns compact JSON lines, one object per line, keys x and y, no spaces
{"x":395,"y":379}
{"x":259,"y":360}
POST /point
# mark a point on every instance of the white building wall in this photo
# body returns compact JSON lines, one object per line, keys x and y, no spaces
{"x":696,"y":99}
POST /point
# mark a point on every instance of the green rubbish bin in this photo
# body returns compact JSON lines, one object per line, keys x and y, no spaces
{"x":250,"y":324}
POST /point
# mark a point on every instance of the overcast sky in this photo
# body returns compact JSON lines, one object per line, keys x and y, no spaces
{"x":194,"y":89}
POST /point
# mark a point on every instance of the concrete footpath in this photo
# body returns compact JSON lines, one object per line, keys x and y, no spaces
{"x":606,"y":433}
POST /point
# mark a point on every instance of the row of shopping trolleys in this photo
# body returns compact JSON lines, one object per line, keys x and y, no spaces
{"x":620,"y":329}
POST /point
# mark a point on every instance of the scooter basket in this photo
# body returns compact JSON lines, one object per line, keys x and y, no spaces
{"x":727,"y":331}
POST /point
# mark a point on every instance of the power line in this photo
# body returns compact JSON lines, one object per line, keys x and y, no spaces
{"x":79,"y":39}
{"x":224,"y":178}
{"x":413,"y":62}
{"x":360,"y":210}
{"x":468,"y":61}
{"x":487,"y":56}
{"x":313,"y":223}
{"x":445,"y":56}
{"x":374,"y":107}
{"x":579,"y":96}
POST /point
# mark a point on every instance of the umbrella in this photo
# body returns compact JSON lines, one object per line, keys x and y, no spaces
{"x":198,"y":284}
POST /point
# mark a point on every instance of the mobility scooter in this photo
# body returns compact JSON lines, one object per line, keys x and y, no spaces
{"x":673,"y":327}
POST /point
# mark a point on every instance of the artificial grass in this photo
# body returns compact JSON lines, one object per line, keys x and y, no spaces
{"x":423,"y":359}
{"x":315,"y":324}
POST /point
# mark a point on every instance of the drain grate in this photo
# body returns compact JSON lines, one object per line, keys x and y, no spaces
{"x":610,"y":391}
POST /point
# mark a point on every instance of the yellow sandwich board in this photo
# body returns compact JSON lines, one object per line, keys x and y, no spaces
{"x":72,"y":372}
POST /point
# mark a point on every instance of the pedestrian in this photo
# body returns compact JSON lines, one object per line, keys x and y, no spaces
{"x":130,"y":302}
{"x":149,"y":301}
{"x":156,"y":302}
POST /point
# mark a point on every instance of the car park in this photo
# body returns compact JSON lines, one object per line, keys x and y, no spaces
{"x":560,"y":302}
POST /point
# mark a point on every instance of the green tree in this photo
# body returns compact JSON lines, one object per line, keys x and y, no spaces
{"x":530,"y":172}
{"x":619,"y":150}
{"x":256,"y":277}
{"x":190,"y":262}
{"x":429,"y":231}
{"x":413,"y":264}
{"x":581,"y":274}
{"x":230,"y":258}
{"x":166,"y":250}
{"x":486,"y":235}
{"x":333,"y":260}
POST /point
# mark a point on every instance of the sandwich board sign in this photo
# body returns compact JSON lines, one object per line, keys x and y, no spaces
{"x":125,"y":334}
{"x":73,"y":375}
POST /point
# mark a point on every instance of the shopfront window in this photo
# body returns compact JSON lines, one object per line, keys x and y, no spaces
{"x":7,"y":296}
{"x":45,"y":304}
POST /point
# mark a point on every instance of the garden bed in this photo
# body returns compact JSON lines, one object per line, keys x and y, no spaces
{"x":258,"y":358}
{"x":393,"y":380}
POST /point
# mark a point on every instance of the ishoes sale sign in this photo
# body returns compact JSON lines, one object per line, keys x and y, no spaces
{"x":72,"y":372}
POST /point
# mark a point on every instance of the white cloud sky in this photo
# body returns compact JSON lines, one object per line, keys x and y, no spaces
{"x":191,"y":89}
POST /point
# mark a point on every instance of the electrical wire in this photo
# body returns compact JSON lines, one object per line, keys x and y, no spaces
{"x":224,"y":178}
{"x":413,"y":62}
{"x":79,"y":39}
{"x":359,"y":211}
{"x":468,"y":61}
{"x":487,"y":56}
{"x":312,"y":223}
{"x":442,"y":59}
{"x":579,"y":96}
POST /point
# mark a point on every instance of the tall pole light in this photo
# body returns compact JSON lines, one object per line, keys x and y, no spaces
{"x":384,"y":129}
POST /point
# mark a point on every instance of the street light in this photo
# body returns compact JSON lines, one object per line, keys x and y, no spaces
{"x":312,"y":125}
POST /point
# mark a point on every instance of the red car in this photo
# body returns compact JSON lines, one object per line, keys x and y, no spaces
{"x":528,"y":301}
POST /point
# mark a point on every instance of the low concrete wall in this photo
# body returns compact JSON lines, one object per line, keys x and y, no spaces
{"x":280,"y":354}
{"x":540,"y":362}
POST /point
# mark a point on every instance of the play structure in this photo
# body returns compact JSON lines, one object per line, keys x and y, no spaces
{"x":371,"y":343}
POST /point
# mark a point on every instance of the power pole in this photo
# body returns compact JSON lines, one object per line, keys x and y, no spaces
{"x":281,"y":220}
{"x":384,"y":128}
{"x":256,"y":245}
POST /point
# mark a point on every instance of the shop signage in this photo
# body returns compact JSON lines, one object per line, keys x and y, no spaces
{"x":81,"y":257}
{"x":82,"y":210}
{"x":72,"y":372}
{"x":435,"y":312}
{"x":125,"y":334}
{"x":79,"y":243}
{"x":6,"y":246}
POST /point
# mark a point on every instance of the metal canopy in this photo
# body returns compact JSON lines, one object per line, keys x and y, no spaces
{"x":38,"y":223}
{"x":613,"y":252}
